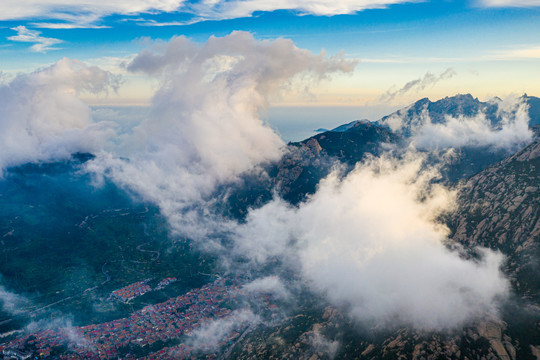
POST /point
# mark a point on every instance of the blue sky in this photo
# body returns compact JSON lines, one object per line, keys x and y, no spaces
{"x":489,"y":47}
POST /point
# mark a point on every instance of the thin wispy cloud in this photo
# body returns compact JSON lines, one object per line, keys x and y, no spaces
{"x":516,"y":52}
{"x":509,"y":3}
{"x":221,"y":9}
{"x":88,"y":14}
{"x":419,"y":84}
{"x":80,"y":13}
{"x":61,"y":25}
{"x":70,"y":14}
{"x":525,"y":52}
{"x":11,"y":302}
{"x":41,"y":43}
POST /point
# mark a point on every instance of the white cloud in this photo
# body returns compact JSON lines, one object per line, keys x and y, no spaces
{"x":80,"y":24}
{"x":41,"y":44}
{"x":15,"y":304}
{"x":221,"y":9}
{"x":80,"y":13}
{"x":87,"y":13}
{"x":419,"y":84}
{"x":511,"y":133}
{"x":64,"y":327}
{"x":268,"y":285}
{"x":323,"y":345}
{"x":209,"y":335}
{"x":12,"y":303}
{"x":204,"y":128}
{"x":509,"y":3}
{"x":369,"y":243}
{"x":114,"y":64}
{"x":42,"y":118}
{"x":4,"y":77}
{"x":475,"y":131}
{"x":69,"y":14}
{"x":525,"y":52}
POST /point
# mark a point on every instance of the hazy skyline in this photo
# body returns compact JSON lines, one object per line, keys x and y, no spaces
{"x":405,"y":50}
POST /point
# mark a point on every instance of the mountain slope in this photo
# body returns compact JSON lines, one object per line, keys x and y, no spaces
{"x":350,"y":142}
{"x":310,"y":160}
{"x":499,"y":208}
{"x":455,"y":106}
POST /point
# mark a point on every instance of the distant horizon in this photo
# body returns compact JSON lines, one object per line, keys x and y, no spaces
{"x":298,"y":122}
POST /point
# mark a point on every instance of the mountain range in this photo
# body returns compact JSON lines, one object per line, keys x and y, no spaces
{"x":498,"y":208}
{"x":310,"y":160}
{"x":121,"y":240}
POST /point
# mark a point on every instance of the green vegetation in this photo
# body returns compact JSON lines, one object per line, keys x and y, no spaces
{"x":68,"y":243}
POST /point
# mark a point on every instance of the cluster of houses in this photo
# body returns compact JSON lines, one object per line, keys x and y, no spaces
{"x":130,"y":292}
{"x":160,"y":322}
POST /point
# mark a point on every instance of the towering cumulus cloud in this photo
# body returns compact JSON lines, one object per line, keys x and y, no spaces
{"x":42,"y":118}
{"x":204,"y":128}
{"x":369,"y":242}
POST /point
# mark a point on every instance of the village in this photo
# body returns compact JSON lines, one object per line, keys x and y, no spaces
{"x":130,"y":292}
{"x":165,"y":322}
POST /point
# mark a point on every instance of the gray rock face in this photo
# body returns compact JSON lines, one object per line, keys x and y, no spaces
{"x":499,"y":208}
